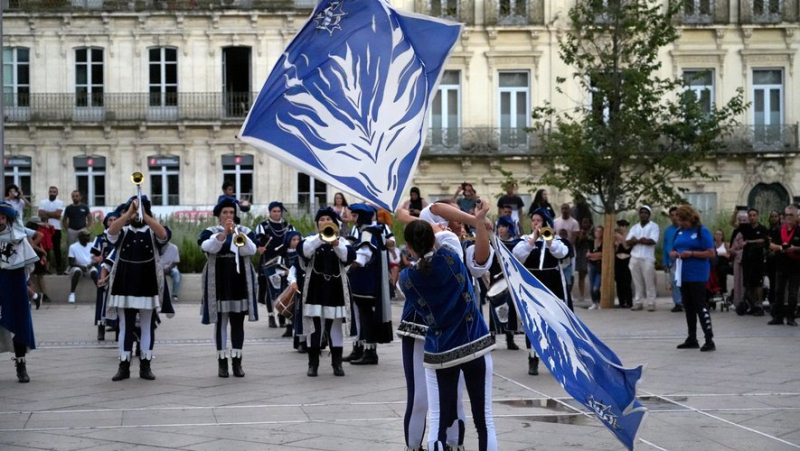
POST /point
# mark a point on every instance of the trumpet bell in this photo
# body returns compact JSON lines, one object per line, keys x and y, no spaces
{"x":240,"y":239}
{"x":137,"y":178}
{"x":547,"y":233}
{"x":329,"y":233}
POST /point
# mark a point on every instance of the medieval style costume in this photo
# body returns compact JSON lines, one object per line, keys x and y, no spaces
{"x":101,"y":248}
{"x":269,"y":237}
{"x":229,"y":283}
{"x":136,"y":282}
{"x":325,"y":292}
{"x":16,"y":324}
{"x":503,"y":318}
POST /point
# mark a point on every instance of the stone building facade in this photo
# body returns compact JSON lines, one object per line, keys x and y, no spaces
{"x":98,"y":89}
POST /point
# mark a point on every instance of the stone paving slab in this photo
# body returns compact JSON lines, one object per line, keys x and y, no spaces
{"x":744,"y":396}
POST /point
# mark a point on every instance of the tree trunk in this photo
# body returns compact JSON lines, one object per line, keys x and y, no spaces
{"x":609,"y":249}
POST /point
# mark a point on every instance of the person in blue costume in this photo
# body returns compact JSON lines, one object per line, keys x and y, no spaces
{"x":289,"y":259}
{"x":501,"y":322}
{"x":325,"y":292}
{"x":269,"y":234}
{"x":542,"y":258}
{"x":438,"y":290}
{"x":16,"y":324}
{"x":136,"y":282}
{"x":296,"y":279}
{"x":229,"y":283}
{"x":369,"y":283}
{"x":100,"y":250}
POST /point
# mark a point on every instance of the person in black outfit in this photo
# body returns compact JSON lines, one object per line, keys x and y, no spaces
{"x":622,"y":272}
{"x":770,"y":267}
{"x":416,"y":203}
{"x":755,"y":237}
{"x":77,"y":217}
{"x":785,"y":242}
{"x":540,"y":202}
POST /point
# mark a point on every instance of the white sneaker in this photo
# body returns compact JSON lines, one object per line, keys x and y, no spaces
{"x":593,"y":307}
{"x":651,"y":307}
{"x":71,"y":298}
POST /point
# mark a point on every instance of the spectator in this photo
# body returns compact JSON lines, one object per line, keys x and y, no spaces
{"x":77,"y":217}
{"x":595,"y":257}
{"x":737,"y":244}
{"x":80,"y":262}
{"x":170,"y":257}
{"x":511,"y":199}
{"x":723,"y":262}
{"x":565,"y":221}
{"x":466,"y":203}
{"x":582,"y":244}
{"x":622,"y":272}
{"x":755,"y":241}
{"x":229,"y":190}
{"x":642,"y":240}
{"x":770,"y":269}
{"x":694,"y":246}
{"x":16,"y":198}
{"x":568,"y":263}
{"x":50,"y":210}
{"x":40,"y":267}
{"x":786,"y":245}
{"x":416,"y":203}
{"x":669,"y":263}
{"x":540,"y":202}
{"x":340,"y":207}
{"x":580,"y":209}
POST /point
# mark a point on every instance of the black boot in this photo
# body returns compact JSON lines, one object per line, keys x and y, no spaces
{"x":272,"y":323}
{"x":22,"y":371}
{"x":281,"y":320}
{"x":101,"y":333}
{"x":355,"y":354}
{"x":313,"y":362}
{"x":370,"y":357}
{"x":533,"y":366}
{"x":223,"y":367}
{"x":124,"y":371}
{"x":302,"y":348}
{"x":288,"y":332}
{"x":510,"y":342}
{"x":236,"y":363}
{"x":336,"y":360}
{"x":144,"y":370}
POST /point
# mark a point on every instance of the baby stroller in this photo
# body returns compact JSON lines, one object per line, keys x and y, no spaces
{"x":716,"y":293}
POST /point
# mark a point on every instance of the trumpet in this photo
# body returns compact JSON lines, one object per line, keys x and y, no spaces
{"x":546,"y":233}
{"x":329,"y":233}
{"x":137,"y":178}
{"x":240,"y":239}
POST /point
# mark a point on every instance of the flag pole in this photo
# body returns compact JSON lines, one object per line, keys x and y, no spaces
{"x":2,"y":116}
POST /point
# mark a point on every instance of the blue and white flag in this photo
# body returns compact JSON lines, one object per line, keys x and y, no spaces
{"x":587,"y":369}
{"x":348,"y":101}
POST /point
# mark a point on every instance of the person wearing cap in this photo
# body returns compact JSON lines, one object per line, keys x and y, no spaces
{"x":669,"y":263}
{"x":80,"y":262}
{"x":369,"y":284}
{"x":101,"y":248}
{"x":325,"y":291}
{"x":416,"y":203}
{"x":642,"y":239}
{"x":229,"y":283}
{"x":136,"y":282}
{"x":542,"y":258}
{"x":269,"y":238}
{"x":15,"y":254}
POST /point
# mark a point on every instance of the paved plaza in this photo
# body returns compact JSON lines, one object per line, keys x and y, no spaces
{"x":745,"y":396}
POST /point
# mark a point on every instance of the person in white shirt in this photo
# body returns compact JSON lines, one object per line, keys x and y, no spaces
{"x":170,"y":257}
{"x":50,"y":210}
{"x":642,"y":239}
{"x":16,"y":198}
{"x":565,"y":221}
{"x":80,"y":262}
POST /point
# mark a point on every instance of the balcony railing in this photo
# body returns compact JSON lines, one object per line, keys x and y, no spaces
{"x":131,"y":107}
{"x":77,"y":6}
{"x":514,"y":12}
{"x":705,"y":12}
{"x":480,"y":141}
{"x":457,"y":10}
{"x":766,"y":12}
{"x":780,"y":138}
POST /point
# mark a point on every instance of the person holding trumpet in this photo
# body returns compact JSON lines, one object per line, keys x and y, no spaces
{"x":136,"y":281}
{"x":230,"y":284}
{"x":540,"y":252}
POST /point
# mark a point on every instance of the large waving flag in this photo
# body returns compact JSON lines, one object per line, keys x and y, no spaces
{"x":587,"y":369}
{"x":348,"y":100}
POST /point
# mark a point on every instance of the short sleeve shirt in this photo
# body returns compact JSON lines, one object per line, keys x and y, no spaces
{"x":76,"y":214}
{"x":570,"y":224}
{"x":51,"y":206}
{"x":696,"y":240}
{"x":81,"y":253}
{"x":643,"y":251}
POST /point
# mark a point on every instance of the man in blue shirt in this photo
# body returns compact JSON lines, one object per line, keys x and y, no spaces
{"x":669,"y":263}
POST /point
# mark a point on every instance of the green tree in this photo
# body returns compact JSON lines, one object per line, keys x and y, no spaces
{"x":641,"y":131}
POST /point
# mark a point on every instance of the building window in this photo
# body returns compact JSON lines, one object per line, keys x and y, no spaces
{"x":18,"y":172}
{"x":700,"y":82}
{"x":767,"y":11}
{"x":447,"y":9}
{"x":705,"y":203}
{"x":311,"y":192}
{"x":89,"y":77}
{"x":164,"y":180}
{"x":88,"y":4}
{"x":514,"y":107}
{"x":768,"y":106}
{"x":163,"y":77}
{"x":697,"y":11}
{"x":513,"y":12}
{"x":16,"y":76}
{"x":90,"y":178}
{"x":239,"y":170}
{"x":446,"y":110}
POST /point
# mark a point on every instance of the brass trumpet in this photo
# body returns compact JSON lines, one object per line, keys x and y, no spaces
{"x":329,"y":233}
{"x":240,"y":239}
{"x":547,"y":233}
{"x":137,"y":178}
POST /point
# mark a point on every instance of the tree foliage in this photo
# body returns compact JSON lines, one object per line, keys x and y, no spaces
{"x":641,"y":131}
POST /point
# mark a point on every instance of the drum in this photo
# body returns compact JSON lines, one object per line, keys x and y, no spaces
{"x":275,"y":281}
{"x":285,"y":303}
{"x":497,"y":292}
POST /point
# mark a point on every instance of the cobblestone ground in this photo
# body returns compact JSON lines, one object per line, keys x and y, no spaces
{"x":744,"y":396}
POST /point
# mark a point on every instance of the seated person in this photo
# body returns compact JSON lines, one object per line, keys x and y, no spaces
{"x":80,"y":262}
